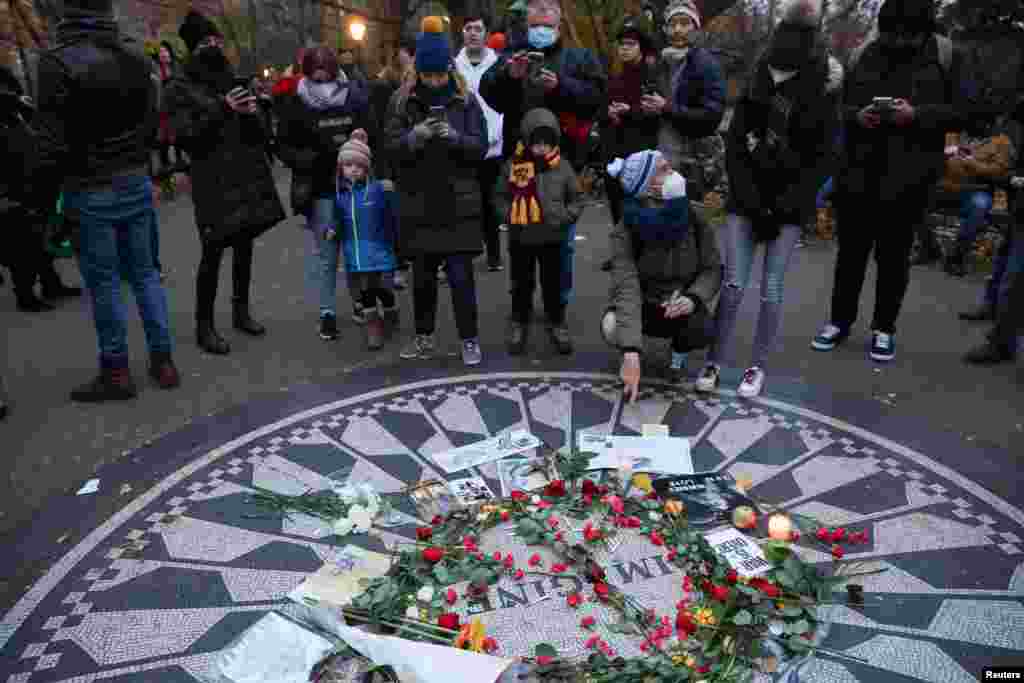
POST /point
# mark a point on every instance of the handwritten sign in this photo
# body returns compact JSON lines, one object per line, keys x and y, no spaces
{"x":485,"y":451}
{"x":740,"y":552}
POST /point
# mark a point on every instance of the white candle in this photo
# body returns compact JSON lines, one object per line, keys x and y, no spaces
{"x":780,"y":527}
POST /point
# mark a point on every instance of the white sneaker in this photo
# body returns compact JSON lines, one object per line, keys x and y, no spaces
{"x":753,"y":382}
{"x":707,"y":380}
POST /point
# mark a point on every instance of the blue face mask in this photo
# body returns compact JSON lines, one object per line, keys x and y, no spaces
{"x":667,"y":223}
{"x":542,"y":37}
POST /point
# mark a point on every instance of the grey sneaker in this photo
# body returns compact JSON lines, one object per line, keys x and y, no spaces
{"x":420,"y":348}
{"x":471,"y":354}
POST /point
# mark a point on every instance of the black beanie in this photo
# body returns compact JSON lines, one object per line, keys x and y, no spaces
{"x":195,"y":28}
{"x":635,"y":31}
{"x":796,"y":37}
{"x":907,"y":16}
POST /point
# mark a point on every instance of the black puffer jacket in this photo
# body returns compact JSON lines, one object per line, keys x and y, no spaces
{"x":96,"y":106}
{"x":308,"y":141}
{"x":440,"y":202}
{"x":232,"y":185}
{"x":780,"y":145}
{"x":890,"y":162}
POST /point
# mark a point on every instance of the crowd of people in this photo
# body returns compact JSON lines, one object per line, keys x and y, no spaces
{"x":422,"y":166}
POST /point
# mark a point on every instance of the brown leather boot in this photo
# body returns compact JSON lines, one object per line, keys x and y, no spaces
{"x":112,"y":384}
{"x":163,"y":371}
{"x":376,"y":330}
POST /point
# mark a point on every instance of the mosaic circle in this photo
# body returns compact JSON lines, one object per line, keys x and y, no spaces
{"x":158,"y":590}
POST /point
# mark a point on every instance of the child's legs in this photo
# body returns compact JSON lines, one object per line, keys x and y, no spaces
{"x":551,"y":264}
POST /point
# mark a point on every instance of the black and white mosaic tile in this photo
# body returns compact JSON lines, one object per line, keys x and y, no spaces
{"x":155,"y":592}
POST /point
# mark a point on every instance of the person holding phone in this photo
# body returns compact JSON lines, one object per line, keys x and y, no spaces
{"x":217,"y":122}
{"x":904,"y":92}
{"x":436,"y":137}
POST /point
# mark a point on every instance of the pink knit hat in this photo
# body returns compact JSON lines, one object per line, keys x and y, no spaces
{"x":356,"y":150}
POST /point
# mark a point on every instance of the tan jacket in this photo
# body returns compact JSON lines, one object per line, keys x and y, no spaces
{"x":990,"y":162}
{"x":658,"y":273}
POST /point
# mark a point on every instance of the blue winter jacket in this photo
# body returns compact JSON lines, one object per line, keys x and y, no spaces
{"x":367,"y":216}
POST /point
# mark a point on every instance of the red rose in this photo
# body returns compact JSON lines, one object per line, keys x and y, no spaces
{"x":731,"y":576}
{"x":479,"y":557}
{"x":651,"y":496}
{"x":587,"y":621}
{"x":838,"y":535}
{"x":574,"y":600}
{"x":437,"y":520}
{"x":534,"y":560}
{"x":704,"y":669}
{"x":509,"y":562}
{"x":476,"y":590}
{"x":720,"y":593}
{"x":490,"y":644}
{"x":424,"y":533}
{"x":559,"y":536}
{"x":588,"y":499}
{"x":590,"y":533}
{"x":672,"y":554}
{"x":794,"y":536}
{"x":837,"y":552}
{"x":589,"y":488}
{"x":824,"y":535}
{"x":592,"y":642}
{"x":553,"y":522}
{"x":602,"y":489}
{"x":449,"y":621}
{"x":595,"y":572}
{"x":656,"y":538}
{"x":544,"y":660}
{"x":555,"y":489}
{"x":771,"y":590}
{"x":633,"y":522}
{"x":469,"y":542}
{"x":520,"y":574}
{"x":601,"y":590}
{"x":685,"y":623}
{"x":705,"y":585}
{"x":505,"y":516}
{"x":518,"y":496}
{"x":433,"y":555}
{"x":497,"y":557}
{"x":451,"y":596}
{"x":559,"y":568}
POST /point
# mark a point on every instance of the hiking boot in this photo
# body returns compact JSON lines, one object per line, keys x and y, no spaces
{"x":471,"y":353}
{"x":241,"y":320}
{"x":374,"y":331}
{"x":708,"y":379}
{"x":111,"y":384}
{"x":989,"y":353}
{"x":61,"y":291}
{"x":420,"y":348}
{"x":606,"y":266}
{"x":980,"y":313}
{"x":517,"y":335}
{"x":956,"y":262}
{"x":209,"y":341}
{"x":560,"y":338}
{"x":358,"y":314}
{"x":753,"y":382}
{"x":163,"y":371}
{"x":328,"y":327}
{"x":883,"y":347}
{"x":829,"y":338}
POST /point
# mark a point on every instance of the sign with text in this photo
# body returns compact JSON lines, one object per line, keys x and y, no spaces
{"x":740,"y":552}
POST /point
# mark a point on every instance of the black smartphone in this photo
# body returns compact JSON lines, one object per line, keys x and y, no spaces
{"x":438,"y":113}
{"x":243,"y":83}
{"x":883,"y":103}
{"x":649,"y":88}
{"x":535,"y":56}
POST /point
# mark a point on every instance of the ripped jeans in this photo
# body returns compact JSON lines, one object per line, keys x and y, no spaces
{"x":738,"y":248}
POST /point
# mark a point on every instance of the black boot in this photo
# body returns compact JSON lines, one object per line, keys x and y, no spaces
{"x":112,"y":384}
{"x":989,"y":353}
{"x":242,"y":321}
{"x":209,"y":340}
{"x":517,"y":336}
{"x":53,"y":287}
{"x":30,"y":303}
{"x":956,"y":262}
{"x":980,"y":313}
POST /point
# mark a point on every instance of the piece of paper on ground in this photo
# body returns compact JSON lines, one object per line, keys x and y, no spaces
{"x":273,"y":649}
{"x":339,"y":581}
{"x":485,"y":451}
{"x":91,"y":486}
{"x":425,"y":663}
{"x":654,"y":454}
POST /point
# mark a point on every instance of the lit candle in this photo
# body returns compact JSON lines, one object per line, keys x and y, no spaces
{"x":744,"y":517}
{"x":780,"y":527}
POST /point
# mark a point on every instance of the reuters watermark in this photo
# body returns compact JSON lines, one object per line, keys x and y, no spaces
{"x":1002,"y":673}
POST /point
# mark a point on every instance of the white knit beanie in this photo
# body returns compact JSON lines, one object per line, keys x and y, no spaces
{"x":356,"y":150}
{"x":687,"y":7}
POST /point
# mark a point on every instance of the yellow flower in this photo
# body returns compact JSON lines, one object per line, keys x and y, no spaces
{"x":471,"y":637}
{"x":705,"y":617}
{"x":643,"y":482}
{"x":780,"y":605}
{"x":674,"y":507}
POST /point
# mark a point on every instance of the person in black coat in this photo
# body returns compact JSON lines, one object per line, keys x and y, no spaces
{"x":904,"y":91}
{"x":436,"y":136}
{"x":216,"y":120}
{"x":779,"y":152}
{"x":315,"y":122}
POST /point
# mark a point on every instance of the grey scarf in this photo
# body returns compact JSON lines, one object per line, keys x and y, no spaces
{"x":324,"y":96}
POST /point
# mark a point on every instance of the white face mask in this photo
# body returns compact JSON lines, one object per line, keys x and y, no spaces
{"x":781,"y":76}
{"x":674,"y":186}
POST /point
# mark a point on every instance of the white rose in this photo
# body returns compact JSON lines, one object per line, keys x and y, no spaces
{"x":535,"y":499}
{"x":425,"y":594}
{"x":343,"y":526}
{"x":777,"y":627}
{"x":413,"y":612}
{"x":655,"y":517}
{"x":348,"y":494}
{"x":361,"y":518}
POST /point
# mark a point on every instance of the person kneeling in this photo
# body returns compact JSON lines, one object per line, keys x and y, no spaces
{"x":666,"y":269}
{"x":540,"y":201}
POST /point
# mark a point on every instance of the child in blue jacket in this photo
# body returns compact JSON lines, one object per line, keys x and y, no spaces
{"x":367,"y":214}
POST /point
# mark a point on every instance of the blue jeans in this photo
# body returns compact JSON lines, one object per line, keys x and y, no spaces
{"x":154,"y":241}
{"x":1008,"y":264}
{"x":824,"y":194}
{"x":324,"y":257}
{"x":568,"y":260}
{"x":974,"y":211}
{"x":738,"y":246}
{"x":116,"y":232}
